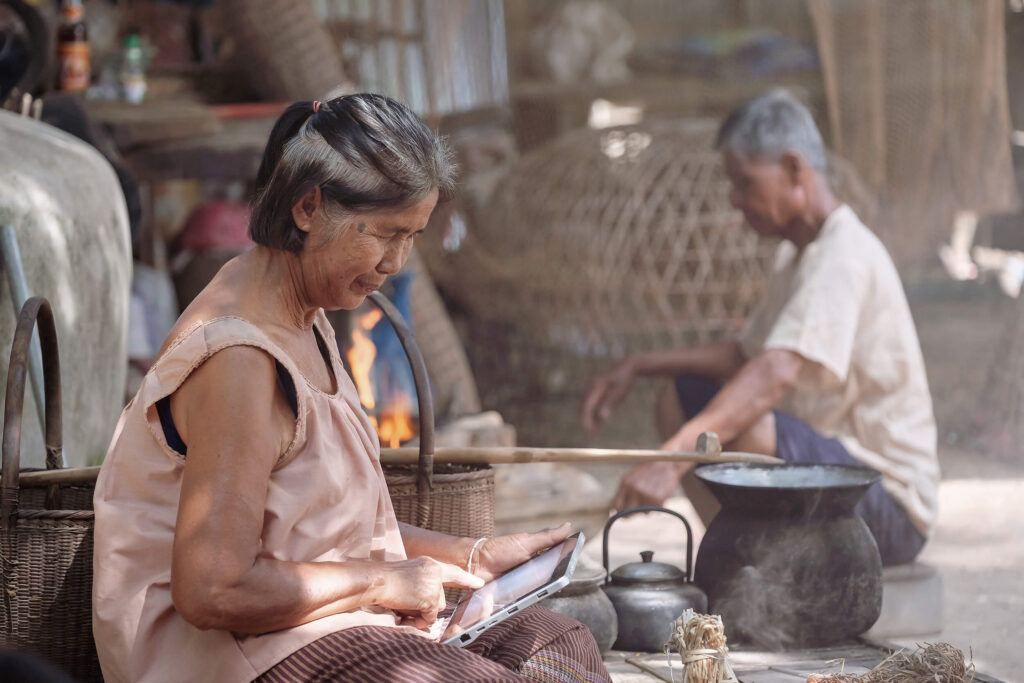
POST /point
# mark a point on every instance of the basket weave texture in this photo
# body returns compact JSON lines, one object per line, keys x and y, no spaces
{"x":47,"y":575}
{"x":286,"y":51}
{"x":462,"y":499}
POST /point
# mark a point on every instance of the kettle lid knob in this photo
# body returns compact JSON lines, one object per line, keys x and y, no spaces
{"x":647,"y":555}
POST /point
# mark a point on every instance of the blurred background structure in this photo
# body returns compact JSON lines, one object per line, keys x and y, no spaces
{"x":593,"y":216}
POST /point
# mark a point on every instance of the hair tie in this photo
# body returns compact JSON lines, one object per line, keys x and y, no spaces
{"x":316,"y":106}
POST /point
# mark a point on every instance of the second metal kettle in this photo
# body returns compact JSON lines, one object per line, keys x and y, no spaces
{"x":648,"y":596}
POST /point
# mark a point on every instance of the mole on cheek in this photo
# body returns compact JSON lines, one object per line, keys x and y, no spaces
{"x":361,"y":227}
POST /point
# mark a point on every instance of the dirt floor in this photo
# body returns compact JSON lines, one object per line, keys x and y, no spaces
{"x":978,"y":546}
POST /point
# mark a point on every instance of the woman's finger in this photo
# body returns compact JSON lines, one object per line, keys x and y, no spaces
{"x":457,"y":577}
{"x":546,"y":538}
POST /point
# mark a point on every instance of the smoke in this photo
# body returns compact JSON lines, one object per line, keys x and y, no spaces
{"x":785,"y":597}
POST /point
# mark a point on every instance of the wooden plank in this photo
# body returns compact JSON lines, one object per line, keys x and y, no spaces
{"x":153,"y":121}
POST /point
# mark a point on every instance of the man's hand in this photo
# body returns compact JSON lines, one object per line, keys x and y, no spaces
{"x":495,"y":556}
{"x":654,"y":482}
{"x":649,"y":484}
{"x":605,"y":394}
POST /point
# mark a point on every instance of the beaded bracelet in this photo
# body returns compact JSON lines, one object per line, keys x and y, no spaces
{"x":472,"y":552}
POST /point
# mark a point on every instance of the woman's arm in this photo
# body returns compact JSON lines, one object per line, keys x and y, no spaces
{"x":493,"y":556}
{"x":237,"y":424}
{"x":442,"y":547}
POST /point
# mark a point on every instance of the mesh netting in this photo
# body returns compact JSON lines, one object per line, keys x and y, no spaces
{"x":917,"y":101}
{"x":602,"y":243}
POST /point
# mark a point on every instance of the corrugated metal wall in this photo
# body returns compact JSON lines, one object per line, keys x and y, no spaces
{"x":439,"y":57}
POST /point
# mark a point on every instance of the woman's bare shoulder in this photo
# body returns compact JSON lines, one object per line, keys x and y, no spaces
{"x":221,"y":298}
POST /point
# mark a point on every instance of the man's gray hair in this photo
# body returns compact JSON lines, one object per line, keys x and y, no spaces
{"x":770,"y":125}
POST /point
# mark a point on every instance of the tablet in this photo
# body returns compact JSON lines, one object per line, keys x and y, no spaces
{"x":539,"y":577}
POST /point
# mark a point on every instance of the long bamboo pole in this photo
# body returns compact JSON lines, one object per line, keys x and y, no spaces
{"x":467,"y":456}
{"x":525,"y":454}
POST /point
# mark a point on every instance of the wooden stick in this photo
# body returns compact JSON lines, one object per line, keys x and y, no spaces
{"x":523,"y":454}
{"x":466,"y":456}
{"x":69,"y":475}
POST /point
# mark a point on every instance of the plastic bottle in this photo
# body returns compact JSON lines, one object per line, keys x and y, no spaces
{"x":73,"y":48}
{"x":133,"y":70}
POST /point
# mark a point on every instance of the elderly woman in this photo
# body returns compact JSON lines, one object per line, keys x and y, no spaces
{"x":243,"y":526}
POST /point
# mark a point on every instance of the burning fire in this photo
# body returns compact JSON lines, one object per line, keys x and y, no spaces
{"x":393,"y":421}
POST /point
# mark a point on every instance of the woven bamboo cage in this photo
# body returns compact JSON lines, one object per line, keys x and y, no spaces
{"x":602,"y":243}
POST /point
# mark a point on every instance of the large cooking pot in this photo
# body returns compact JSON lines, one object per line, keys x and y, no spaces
{"x":787,"y":562}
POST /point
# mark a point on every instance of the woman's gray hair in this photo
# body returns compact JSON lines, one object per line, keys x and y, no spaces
{"x":770,"y":125}
{"x":367,"y":153}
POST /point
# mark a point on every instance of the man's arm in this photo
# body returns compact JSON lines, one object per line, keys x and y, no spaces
{"x":717,"y":360}
{"x":756,"y":389}
{"x":753,"y":392}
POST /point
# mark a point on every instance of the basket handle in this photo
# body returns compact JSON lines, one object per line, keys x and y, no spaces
{"x":36,"y":308}
{"x":425,"y":399}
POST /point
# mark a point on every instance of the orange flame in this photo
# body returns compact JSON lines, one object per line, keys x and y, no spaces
{"x":361,"y":355}
{"x":395,"y":424}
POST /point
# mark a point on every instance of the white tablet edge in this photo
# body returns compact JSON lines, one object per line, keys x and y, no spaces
{"x":547,"y":590}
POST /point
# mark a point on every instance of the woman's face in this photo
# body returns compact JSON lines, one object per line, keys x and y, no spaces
{"x":346,"y":259}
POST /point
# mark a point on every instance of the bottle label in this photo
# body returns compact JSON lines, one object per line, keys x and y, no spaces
{"x":134,"y":88}
{"x":74,"y":66}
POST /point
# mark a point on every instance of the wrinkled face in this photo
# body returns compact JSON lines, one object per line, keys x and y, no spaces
{"x":346,"y":259}
{"x":764,"y":191}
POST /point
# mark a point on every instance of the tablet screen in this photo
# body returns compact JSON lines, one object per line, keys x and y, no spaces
{"x":511,"y":586}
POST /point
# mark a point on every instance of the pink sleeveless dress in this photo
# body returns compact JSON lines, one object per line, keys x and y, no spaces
{"x":327,"y":501}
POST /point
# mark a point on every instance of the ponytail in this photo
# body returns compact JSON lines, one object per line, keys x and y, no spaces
{"x":286,"y":128}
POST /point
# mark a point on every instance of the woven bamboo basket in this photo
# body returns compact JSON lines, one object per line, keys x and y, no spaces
{"x":461,"y":499}
{"x":45,"y":546}
{"x":451,"y":499}
{"x":285,"y":49}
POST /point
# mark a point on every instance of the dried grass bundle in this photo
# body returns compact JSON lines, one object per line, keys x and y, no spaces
{"x":700,"y":641}
{"x":939,"y":662}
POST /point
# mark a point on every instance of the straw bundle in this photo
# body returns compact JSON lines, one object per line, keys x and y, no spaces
{"x":700,"y":641}
{"x":939,"y":662}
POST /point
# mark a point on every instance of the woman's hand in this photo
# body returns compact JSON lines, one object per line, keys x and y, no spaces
{"x":605,"y":394}
{"x":495,"y":556}
{"x":415,"y":588}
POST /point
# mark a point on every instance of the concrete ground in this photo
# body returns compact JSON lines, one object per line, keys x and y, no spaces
{"x":978,"y":546}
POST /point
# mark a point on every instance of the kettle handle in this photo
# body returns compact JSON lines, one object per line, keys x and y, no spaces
{"x":649,"y":508}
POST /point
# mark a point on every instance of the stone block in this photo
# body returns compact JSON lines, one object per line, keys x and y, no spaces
{"x":911,"y":602}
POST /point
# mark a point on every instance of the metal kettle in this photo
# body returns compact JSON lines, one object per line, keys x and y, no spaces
{"x":648,"y":596}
